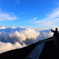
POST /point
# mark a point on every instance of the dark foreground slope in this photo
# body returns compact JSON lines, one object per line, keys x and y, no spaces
{"x":50,"y":51}
{"x":23,"y":52}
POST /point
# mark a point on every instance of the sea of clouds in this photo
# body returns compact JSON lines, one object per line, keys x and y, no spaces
{"x":19,"y":37}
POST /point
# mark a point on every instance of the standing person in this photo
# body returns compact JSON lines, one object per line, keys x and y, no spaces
{"x":55,"y":36}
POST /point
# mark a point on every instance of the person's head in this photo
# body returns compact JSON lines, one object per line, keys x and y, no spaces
{"x":56,"y":29}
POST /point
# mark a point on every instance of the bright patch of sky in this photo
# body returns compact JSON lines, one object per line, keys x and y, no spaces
{"x":29,"y":13}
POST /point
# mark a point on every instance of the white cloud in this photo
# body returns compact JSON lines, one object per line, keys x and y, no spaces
{"x":8,"y":46}
{"x":51,"y":18}
{"x":7,"y":16}
{"x":19,"y":34}
{"x":53,"y":14}
{"x":2,"y":27}
{"x":33,"y":19}
{"x":18,"y":37}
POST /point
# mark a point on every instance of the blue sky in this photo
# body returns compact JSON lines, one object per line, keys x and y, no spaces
{"x":29,"y":13}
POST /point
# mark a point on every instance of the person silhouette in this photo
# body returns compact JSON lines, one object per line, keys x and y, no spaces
{"x":55,"y":36}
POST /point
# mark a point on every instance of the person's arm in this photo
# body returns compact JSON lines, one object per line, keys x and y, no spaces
{"x":52,"y":30}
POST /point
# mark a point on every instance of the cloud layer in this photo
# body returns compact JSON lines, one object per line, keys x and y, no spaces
{"x":4,"y":47}
{"x":13,"y":38}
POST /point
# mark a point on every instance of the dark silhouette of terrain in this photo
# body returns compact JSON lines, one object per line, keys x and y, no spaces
{"x":50,"y":51}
